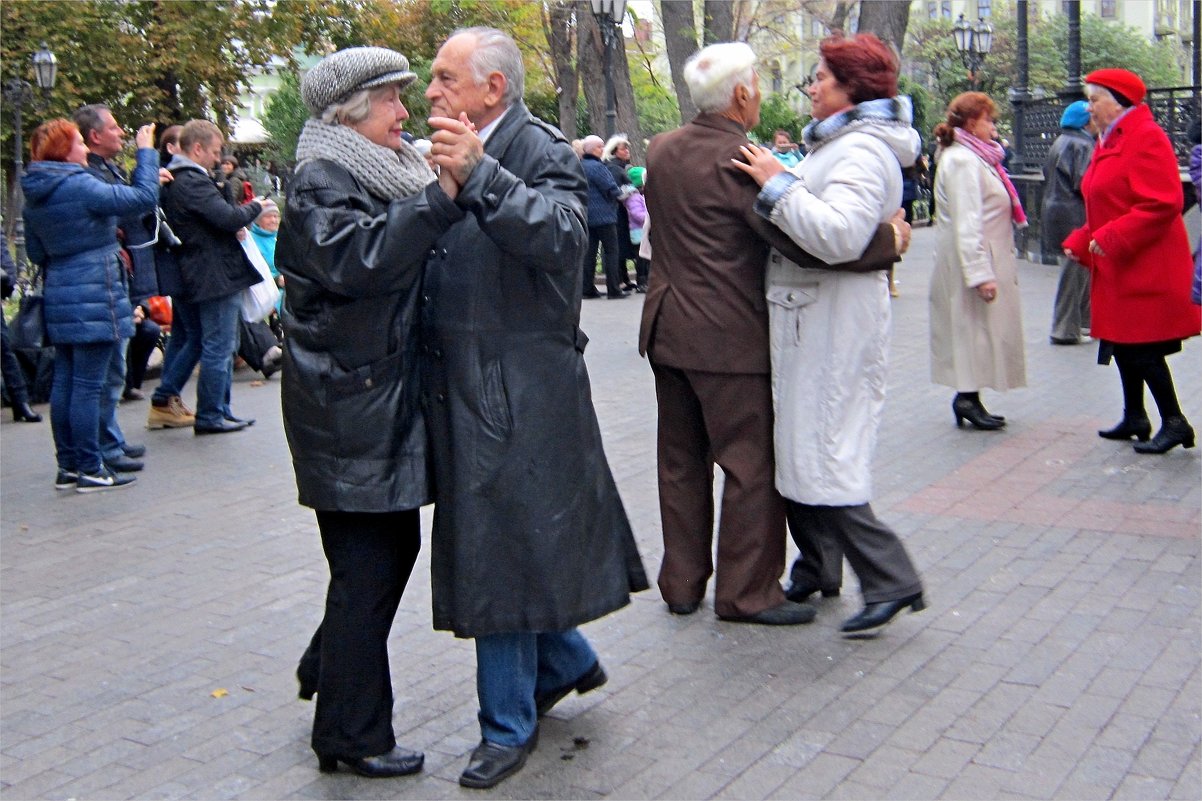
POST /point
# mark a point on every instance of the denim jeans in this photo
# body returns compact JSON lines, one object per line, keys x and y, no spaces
{"x":512,"y":668}
{"x":218,"y":340}
{"x":112,"y":440}
{"x":183,"y":349}
{"x":80,"y":371}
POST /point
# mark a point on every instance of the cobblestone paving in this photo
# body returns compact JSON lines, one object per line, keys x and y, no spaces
{"x":1059,"y":656}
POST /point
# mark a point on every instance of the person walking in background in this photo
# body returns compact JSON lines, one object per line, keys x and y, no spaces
{"x":213,"y":267}
{"x":976,"y":318}
{"x":616,"y":156}
{"x":1063,"y":212}
{"x":1135,"y":246}
{"x":363,"y":213}
{"x":530,"y":537}
{"x":784,"y":149}
{"x":704,"y":332}
{"x":830,"y":329}
{"x":14,"y":377}
{"x":636,"y":214}
{"x":603,"y":197}
{"x":71,"y":223}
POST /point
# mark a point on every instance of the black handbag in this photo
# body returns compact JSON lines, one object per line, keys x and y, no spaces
{"x":27,"y":330}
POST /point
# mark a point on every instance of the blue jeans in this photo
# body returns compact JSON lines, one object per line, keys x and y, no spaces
{"x":80,"y":371}
{"x":112,"y":440}
{"x":183,"y":349}
{"x":512,"y":668}
{"x":218,"y":341}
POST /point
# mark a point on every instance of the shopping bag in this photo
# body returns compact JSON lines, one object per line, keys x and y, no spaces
{"x":258,"y":300}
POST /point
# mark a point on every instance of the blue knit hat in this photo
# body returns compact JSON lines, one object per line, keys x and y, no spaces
{"x":1076,"y":115}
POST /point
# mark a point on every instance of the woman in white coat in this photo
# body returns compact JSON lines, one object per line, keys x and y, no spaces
{"x":830,"y":329}
{"x":976,"y":321}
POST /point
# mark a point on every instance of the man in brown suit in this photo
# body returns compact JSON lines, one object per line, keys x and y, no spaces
{"x":705,"y":333}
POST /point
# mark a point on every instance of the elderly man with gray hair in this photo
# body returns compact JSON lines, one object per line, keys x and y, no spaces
{"x":705,"y":333}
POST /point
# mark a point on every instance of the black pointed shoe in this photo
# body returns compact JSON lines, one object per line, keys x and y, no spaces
{"x":873,"y":616}
{"x":593,"y":678}
{"x":972,"y":411}
{"x":397,"y":762}
{"x":490,"y":763}
{"x":799,"y":593}
{"x":786,"y":613}
{"x":1173,"y":431}
{"x":24,"y":413}
{"x":1137,"y":426}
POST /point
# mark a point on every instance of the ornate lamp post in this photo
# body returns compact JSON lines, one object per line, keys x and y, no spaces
{"x":17,"y":93}
{"x":609,"y":14}
{"x":974,"y":43}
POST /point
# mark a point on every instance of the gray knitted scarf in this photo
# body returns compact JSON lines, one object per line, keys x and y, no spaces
{"x":387,"y":174}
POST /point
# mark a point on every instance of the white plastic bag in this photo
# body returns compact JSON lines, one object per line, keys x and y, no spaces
{"x":258,"y":300}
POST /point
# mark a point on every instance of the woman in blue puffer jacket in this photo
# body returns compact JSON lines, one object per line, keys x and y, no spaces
{"x":71,"y":228}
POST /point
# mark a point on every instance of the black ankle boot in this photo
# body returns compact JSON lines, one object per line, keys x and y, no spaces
{"x":24,"y":413}
{"x":1173,"y":431}
{"x":1132,"y":425}
{"x":966,"y":407}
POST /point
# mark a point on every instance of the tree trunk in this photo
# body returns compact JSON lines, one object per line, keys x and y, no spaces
{"x":557,"y":22}
{"x":839,"y":18}
{"x":888,"y":19}
{"x":590,"y":63}
{"x":680,"y":40}
{"x":719,"y":21}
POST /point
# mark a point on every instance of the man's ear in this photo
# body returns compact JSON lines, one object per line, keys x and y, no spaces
{"x":496,"y":89}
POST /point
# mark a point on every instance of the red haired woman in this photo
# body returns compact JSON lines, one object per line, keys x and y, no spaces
{"x":976,"y":320}
{"x":830,"y":329}
{"x":71,"y":225}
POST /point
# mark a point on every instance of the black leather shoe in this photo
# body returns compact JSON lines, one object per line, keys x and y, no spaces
{"x":24,"y":413}
{"x":591,"y":295}
{"x":246,"y":421}
{"x":491,"y":763}
{"x":1137,"y":426}
{"x":593,"y":678}
{"x":133,"y":451}
{"x":397,"y":762}
{"x":974,"y":413}
{"x":798,"y":593}
{"x":224,"y":427}
{"x":785,"y":614}
{"x":684,"y":609}
{"x":1173,"y":431}
{"x":123,"y":464}
{"x":1065,"y":340}
{"x":876,"y":615}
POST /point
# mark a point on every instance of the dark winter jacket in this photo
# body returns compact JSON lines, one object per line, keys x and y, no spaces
{"x":1063,"y":208}
{"x":211,"y":260}
{"x":71,"y":229}
{"x":529,"y":531}
{"x":603,"y":193}
{"x":134,"y":231}
{"x":353,"y":264}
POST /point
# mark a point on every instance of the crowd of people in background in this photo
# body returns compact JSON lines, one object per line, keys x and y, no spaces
{"x":428,"y":332}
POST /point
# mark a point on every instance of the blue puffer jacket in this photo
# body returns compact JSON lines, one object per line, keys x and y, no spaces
{"x":71,"y":231}
{"x":603,"y":193}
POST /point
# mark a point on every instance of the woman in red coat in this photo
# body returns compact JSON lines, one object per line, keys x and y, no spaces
{"x":1135,"y":245}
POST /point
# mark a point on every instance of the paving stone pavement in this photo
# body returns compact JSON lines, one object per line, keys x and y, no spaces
{"x":1059,"y":656}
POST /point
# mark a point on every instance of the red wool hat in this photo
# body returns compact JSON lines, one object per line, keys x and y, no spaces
{"x":1125,"y":82}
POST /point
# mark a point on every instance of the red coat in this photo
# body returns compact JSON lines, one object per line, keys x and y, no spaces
{"x":1140,"y":289}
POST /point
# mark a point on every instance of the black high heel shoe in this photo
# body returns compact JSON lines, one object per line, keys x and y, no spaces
{"x":1137,"y":426}
{"x":397,"y":762}
{"x":878,"y":614}
{"x":965,"y":408}
{"x":1173,"y":431}
{"x":24,"y":413}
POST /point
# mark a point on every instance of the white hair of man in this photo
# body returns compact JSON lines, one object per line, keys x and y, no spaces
{"x":593,"y":145}
{"x":713,"y":73}
{"x":613,"y":144}
{"x":496,"y":51}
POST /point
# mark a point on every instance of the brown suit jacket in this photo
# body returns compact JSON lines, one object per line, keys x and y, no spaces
{"x":705,"y":308}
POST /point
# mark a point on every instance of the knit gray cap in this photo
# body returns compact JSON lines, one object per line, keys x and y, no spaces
{"x":339,"y":75}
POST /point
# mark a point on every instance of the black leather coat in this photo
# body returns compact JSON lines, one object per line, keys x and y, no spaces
{"x":353,"y":264}
{"x":529,"y":531}
{"x":1063,"y":208}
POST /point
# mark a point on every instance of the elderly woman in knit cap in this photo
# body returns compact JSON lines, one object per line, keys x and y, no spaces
{"x":1135,"y":246}
{"x":1063,"y":211}
{"x":363,"y":212}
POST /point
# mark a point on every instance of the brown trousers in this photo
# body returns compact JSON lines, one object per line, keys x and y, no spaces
{"x":722,"y":418}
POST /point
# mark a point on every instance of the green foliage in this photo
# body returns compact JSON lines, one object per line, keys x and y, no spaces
{"x":654,"y":101}
{"x":920,"y":99}
{"x":283,"y":118}
{"x":775,"y":112}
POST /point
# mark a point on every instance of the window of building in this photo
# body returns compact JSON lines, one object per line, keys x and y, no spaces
{"x":817,"y":29}
{"x":945,"y":9}
{"x":1107,"y":9}
{"x":932,"y":9}
{"x":984,"y":9}
{"x":778,"y":83}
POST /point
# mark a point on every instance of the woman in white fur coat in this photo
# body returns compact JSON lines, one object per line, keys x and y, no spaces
{"x":830,"y":329}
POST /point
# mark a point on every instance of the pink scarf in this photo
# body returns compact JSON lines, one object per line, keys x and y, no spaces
{"x":992,"y":154}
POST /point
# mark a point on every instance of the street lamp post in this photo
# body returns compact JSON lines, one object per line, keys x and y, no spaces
{"x":17,"y":93}
{"x":609,"y":14}
{"x":974,"y":43}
